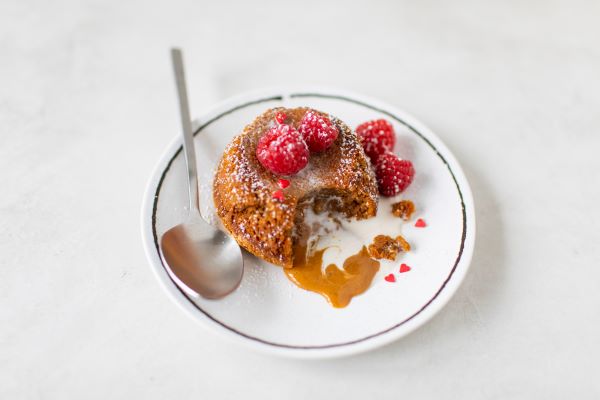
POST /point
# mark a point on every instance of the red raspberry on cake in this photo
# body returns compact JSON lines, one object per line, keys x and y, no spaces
{"x":376,"y":137}
{"x":282,"y":150}
{"x":393,"y":174}
{"x":318,"y":131}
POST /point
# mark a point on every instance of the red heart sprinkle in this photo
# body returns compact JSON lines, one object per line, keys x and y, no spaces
{"x":283,"y":183}
{"x":420,"y":223}
{"x":390,"y":278}
{"x":404,"y":268}
{"x":280,"y":117}
{"x":278,"y":194}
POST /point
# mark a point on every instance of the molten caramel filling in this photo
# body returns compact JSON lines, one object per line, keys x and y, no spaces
{"x":338,"y":286}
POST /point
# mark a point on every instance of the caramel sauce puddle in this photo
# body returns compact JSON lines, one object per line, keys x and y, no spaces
{"x":337,"y":285}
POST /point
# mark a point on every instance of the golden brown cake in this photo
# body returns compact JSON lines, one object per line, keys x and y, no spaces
{"x":384,"y":246}
{"x":403,"y":209}
{"x":338,"y":179}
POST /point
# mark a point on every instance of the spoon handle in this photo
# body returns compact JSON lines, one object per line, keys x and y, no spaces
{"x":186,"y":124}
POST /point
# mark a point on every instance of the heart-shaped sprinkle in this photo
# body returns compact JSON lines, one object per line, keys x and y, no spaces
{"x":278,"y":194}
{"x":283,"y":183}
{"x":390,"y":278}
{"x":280,"y":117}
{"x":404,"y":268}
{"x":420,"y":223}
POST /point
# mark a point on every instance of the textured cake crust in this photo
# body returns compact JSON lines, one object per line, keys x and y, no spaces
{"x":339,"y":179}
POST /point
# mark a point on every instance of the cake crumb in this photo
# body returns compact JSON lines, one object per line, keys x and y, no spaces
{"x":404,"y":245}
{"x":403,"y":209}
{"x":385,"y":246}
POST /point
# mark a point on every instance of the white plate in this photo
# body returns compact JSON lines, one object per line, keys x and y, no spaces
{"x":269,"y":313}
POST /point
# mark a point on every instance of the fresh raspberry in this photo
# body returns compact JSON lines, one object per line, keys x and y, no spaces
{"x":376,"y":137}
{"x":280,"y":117}
{"x":393,"y":174}
{"x":318,"y":131}
{"x":282,"y":150}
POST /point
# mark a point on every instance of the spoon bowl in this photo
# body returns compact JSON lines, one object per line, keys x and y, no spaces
{"x":201,"y":259}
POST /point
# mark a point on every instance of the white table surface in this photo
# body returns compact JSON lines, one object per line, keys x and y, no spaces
{"x":87,"y":105}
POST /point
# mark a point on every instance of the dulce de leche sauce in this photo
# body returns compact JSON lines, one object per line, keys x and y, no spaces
{"x":337,"y":285}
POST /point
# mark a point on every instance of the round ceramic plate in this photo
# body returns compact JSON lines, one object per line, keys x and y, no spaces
{"x":269,"y":313}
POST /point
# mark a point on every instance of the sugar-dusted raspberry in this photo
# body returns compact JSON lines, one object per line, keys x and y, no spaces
{"x":318,"y":131}
{"x":376,"y":137}
{"x":393,"y":174}
{"x":282,"y":150}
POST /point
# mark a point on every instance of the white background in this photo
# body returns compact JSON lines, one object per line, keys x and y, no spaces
{"x":87,"y":105}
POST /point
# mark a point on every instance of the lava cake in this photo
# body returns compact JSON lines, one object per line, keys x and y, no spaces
{"x":262,"y":203}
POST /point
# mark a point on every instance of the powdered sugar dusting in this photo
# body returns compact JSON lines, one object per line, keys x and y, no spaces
{"x":243,"y":188}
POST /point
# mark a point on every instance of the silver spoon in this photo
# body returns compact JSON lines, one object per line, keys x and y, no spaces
{"x":201,"y":259}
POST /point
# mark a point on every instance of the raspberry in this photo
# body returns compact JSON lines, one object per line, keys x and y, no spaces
{"x":393,"y":174}
{"x":318,"y":131}
{"x":282,"y":150}
{"x":376,"y":137}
